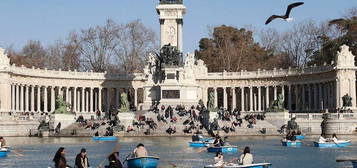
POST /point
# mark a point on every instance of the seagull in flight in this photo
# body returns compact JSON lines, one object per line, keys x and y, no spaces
{"x":286,"y":16}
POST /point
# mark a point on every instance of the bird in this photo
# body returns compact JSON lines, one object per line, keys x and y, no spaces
{"x":286,"y":16}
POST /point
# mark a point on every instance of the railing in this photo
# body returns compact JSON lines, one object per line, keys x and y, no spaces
{"x":318,"y":116}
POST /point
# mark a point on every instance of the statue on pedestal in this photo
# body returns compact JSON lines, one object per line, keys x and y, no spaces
{"x":124,"y":103}
{"x":277,"y":105}
{"x":62,"y":106}
{"x":211,"y":99}
{"x":347,"y":101}
{"x":292,"y":125}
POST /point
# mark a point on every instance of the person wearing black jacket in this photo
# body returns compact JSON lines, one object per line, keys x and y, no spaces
{"x":82,"y":159}
{"x":59,"y":159}
{"x":114,"y":162}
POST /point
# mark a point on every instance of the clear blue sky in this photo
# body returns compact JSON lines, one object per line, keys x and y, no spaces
{"x":48,"y":20}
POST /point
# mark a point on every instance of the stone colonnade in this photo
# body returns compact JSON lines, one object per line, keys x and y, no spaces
{"x":304,"y":97}
{"x":37,"y":98}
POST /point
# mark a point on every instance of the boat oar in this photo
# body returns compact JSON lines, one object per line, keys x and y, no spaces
{"x":126,"y":158}
{"x":17,"y":152}
{"x":201,"y":150}
{"x":346,"y":160}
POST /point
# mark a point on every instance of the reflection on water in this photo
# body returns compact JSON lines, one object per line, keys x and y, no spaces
{"x":38,"y":152}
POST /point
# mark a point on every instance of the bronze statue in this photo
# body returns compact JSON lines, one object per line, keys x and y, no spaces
{"x":347,"y":100}
{"x":277,"y":105}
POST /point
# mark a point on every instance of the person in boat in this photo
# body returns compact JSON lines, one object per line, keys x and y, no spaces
{"x":334,"y":138}
{"x":322,"y":139}
{"x":195,"y":138}
{"x":218,"y":141}
{"x":2,"y":142}
{"x":96,"y":133}
{"x":82,"y":159}
{"x":59,"y":159}
{"x":114,"y":161}
{"x":140,"y":151}
{"x":246,"y":158}
{"x":218,"y":160}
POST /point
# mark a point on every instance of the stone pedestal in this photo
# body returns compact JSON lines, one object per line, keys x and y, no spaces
{"x":126,"y":118}
{"x":65,"y":119}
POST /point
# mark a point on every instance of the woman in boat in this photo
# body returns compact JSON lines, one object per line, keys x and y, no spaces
{"x":60,"y":159}
{"x":114,"y":161}
{"x":2,"y":142}
{"x":246,"y":158}
{"x":334,"y":138}
{"x":82,"y":159}
{"x":322,"y":139}
{"x":218,"y":160}
{"x":140,"y":151}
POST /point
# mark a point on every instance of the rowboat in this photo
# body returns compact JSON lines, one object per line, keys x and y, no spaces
{"x":289,"y":143}
{"x":223,"y":149}
{"x":206,"y":139}
{"x":3,"y":152}
{"x":299,"y":137}
{"x":333,"y":144}
{"x":354,"y":164}
{"x":104,"y":138}
{"x":230,"y":165}
{"x":143,"y":162}
{"x":353,"y":160}
{"x":199,"y":144}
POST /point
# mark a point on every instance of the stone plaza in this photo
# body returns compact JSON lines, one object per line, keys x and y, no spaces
{"x":26,"y":93}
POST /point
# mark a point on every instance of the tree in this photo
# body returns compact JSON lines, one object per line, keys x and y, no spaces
{"x":232,"y":49}
{"x":32,"y":54}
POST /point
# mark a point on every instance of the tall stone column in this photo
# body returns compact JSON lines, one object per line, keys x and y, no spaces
{"x":17,"y":98}
{"x":267,"y":96}
{"x":26,"y":98}
{"x":70,"y":97}
{"x":86,"y":96}
{"x":162,"y":32}
{"x":108,"y":101}
{"x":303,"y":97}
{"x":316,"y":107}
{"x":234,"y":98}
{"x":275,"y":93}
{"x":75,"y":99}
{"x":297,"y":107}
{"x":179,"y":34}
{"x":83,"y":101}
{"x":100,"y":99}
{"x":215,"y":97}
{"x":32,"y":98}
{"x":309,"y":102}
{"x":135,"y":97}
{"x":321,"y":103}
{"x":38,"y":98}
{"x":259,"y":98}
{"x":53,"y":99}
{"x":242,"y":99}
{"x":13,"y":87}
{"x":21,"y":98}
{"x":91,"y":100}
{"x":225,"y":102}
{"x":250,"y":98}
{"x":45,"y":99}
{"x":117,"y":98}
{"x":289,"y":97}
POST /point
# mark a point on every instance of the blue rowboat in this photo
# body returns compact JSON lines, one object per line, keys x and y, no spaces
{"x":104,"y":138}
{"x":143,"y":162}
{"x":206,"y":139}
{"x":258,"y":165}
{"x":199,"y":144}
{"x":354,"y":164}
{"x":223,"y":149}
{"x":340,"y":143}
{"x":289,"y":143}
{"x":299,"y":137}
{"x":3,"y":152}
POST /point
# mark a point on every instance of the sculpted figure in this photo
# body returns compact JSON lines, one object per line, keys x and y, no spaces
{"x":347,"y":100}
{"x":124,"y":103}
{"x":211,"y":100}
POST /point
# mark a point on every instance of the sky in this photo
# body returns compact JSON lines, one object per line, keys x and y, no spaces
{"x":50,"y":20}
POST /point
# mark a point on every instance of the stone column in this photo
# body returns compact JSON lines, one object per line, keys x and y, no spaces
{"x":242,"y":99}
{"x":83,"y":101}
{"x":74,"y":99}
{"x":289,"y":97}
{"x":215,"y":98}
{"x":86,"y":94}
{"x":67,"y":92}
{"x":21,"y":98}
{"x":259,"y":98}
{"x":297,"y":98}
{"x":309,"y":98}
{"x":275,"y":93}
{"x":17,"y":98}
{"x":38,"y":98}
{"x":45,"y":99}
{"x":108,"y":100}
{"x":100,"y":99}
{"x":321,"y":103}
{"x":250,"y":98}
{"x":136,"y":97}
{"x":234,"y":98}
{"x":53,"y":99}
{"x":267,"y":96}
{"x":13,"y":87}
{"x":225,"y":102}
{"x":60,"y":92}
{"x":162,"y":31}
{"x":179,"y":34}
{"x":91,"y":99}
{"x":255,"y":103}
{"x":26,"y":98}
{"x":316,"y":107}
{"x":283,"y":91}
{"x":303,"y":97}
{"x":32,"y":98}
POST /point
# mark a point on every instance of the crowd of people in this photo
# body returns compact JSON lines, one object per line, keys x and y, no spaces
{"x":82,"y":161}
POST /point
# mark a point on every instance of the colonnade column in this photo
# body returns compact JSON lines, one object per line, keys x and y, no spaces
{"x":74,"y":99}
{"x":38,"y":98}
{"x":289,"y":98}
{"x":275,"y":92}
{"x":215,"y":97}
{"x":309,"y":98}
{"x":26,"y":98}
{"x":316,"y":104}
{"x":267,"y":96}
{"x":45,"y":99}
{"x":108,"y":101}
{"x":86,"y":107}
{"x":117,"y":93}
{"x":296,"y":97}
{"x":303,"y":97}
{"x":234,"y":98}
{"x":32,"y":98}
{"x":259,"y":98}
{"x":242,"y":99}
{"x":250,"y":98}
{"x":283,"y":91}
{"x":225,"y":102}
{"x":100,"y":99}
{"x":136,"y":97}
{"x":82,"y":103}
{"x":91,"y":100}
{"x":21,"y":98}
{"x":320,"y":97}
{"x":13,"y":87}
{"x":53,"y":99}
